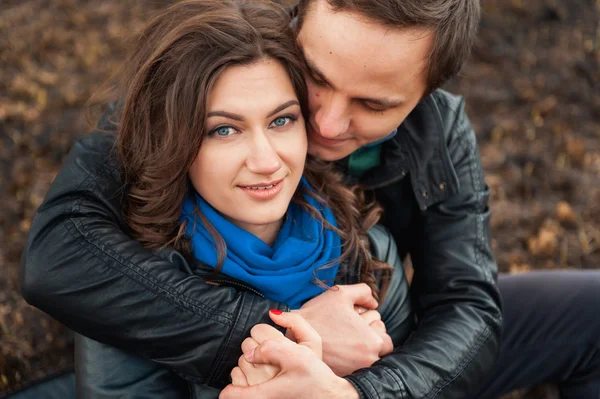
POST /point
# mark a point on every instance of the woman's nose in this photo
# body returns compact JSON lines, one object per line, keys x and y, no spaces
{"x":263,"y":158}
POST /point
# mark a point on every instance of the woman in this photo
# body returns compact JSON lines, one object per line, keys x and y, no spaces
{"x":213,"y":145}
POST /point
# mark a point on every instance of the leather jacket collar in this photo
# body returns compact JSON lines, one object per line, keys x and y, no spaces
{"x":420,"y":151}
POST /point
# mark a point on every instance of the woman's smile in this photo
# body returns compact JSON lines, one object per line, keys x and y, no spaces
{"x":264,"y":191}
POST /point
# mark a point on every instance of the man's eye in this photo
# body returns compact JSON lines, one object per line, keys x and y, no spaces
{"x":374,"y":107}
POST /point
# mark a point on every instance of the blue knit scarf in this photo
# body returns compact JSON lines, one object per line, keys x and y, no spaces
{"x":283,"y":272}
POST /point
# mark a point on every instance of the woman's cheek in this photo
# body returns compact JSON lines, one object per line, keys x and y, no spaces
{"x":295,"y":145}
{"x":302,"y":138}
{"x":209,"y":166}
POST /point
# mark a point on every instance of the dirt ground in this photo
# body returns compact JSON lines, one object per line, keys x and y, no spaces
{"x":531,"y":88}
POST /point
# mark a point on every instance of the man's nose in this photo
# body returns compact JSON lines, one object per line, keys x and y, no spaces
{"x":263,"y":158}
{"x":332,"y":117}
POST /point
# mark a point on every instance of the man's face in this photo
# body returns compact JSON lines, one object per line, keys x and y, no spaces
{"x":364,"y":78}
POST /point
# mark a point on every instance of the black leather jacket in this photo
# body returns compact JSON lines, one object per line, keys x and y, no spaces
{"x":79,"y":261}
{"x":105,"y":372}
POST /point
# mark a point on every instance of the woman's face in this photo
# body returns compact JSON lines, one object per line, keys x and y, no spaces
{"x":251,"y":161}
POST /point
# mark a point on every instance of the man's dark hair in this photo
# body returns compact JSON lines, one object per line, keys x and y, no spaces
{"x":454,"y":23}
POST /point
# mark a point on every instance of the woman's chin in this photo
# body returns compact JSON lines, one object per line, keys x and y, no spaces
{"x":263,"y":217}
{"x":264,"y":212}
{"x":263,"y":224}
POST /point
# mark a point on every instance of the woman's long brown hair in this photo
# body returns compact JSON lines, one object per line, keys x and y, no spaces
{"x":163,"y":88}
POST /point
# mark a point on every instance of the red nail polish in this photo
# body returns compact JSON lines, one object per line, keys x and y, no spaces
{"x":276,"y":311}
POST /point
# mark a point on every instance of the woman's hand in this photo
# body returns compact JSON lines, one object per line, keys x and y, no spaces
{"x":301,"y":373}
{"x":248,"y":374}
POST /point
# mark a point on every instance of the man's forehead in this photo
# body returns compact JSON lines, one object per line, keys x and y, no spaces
{"x":356,"y":81}
{"x":363,"y":77}
{"x":342,"y":43}
{"x":352,"y":39}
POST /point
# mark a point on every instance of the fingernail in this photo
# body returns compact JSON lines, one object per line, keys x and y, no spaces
{"x":276,"y":311}
{"x":249,"y":356}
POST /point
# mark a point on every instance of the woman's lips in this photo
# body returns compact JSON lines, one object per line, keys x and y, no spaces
{"x":264,"y":192}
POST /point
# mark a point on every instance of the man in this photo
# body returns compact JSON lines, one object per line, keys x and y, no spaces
{"x":374,"y":67}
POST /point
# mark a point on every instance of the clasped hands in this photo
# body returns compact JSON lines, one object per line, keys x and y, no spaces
{"x":331,"y":336}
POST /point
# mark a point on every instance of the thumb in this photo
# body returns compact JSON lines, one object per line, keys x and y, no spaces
{"x":301,"y":329}
{"x":235,"y":392}
{"x":275,"y":388}
{"x":271,"y":352}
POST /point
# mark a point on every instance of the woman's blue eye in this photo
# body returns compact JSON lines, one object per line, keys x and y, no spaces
{"x":223,"y":131}
{"x":281,"y":121}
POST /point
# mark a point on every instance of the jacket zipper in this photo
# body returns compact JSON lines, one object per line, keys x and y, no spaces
{"x":395,"y":179}
{"x":246,"y":287}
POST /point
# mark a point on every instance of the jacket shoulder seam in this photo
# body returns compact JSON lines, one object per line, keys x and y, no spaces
{"x":442,"y":101}
{"x":469,"y":148}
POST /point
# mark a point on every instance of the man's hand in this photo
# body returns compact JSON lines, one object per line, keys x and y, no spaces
{"x":350,"y":340}
{"x":301,"y":372}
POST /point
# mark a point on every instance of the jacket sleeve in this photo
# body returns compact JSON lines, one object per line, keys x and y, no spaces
{"x":454,"y":291}
{"x":82,"y":269}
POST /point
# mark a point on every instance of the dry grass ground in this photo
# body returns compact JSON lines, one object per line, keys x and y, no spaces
{"x":531,"y":91}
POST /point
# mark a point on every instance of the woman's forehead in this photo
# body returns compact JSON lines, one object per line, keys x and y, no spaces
{"x":254,"y":89}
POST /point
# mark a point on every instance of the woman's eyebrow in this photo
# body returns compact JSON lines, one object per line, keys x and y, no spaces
{"x":240,"y":118}
{"x":284,"y":106}
{"x":225,"y":114}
